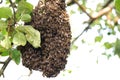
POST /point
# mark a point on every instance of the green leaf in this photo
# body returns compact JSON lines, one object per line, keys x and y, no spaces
{"x":118,"y":28}
{"x":117,"y":47}
{"x":19,"y":39}
{"x":5,"y":53}
{"x":7,"y":1}
{"x":98,"y":38}
{"x":26,"y":18}
{"x":24,"y":7}
{"x":5,"y":12}
{"x":74,"y":47}
{"x":4,"y":32}
{"x":83,"y":41}
{"x":107,"y":55}
{"x":17,"y":1}
{"x":15,"y":55}
{"x":3,"y":25}
{"x":117,"y":5}
{"x":21,"y":29}
{"x":84,"y":2}
{"x":108,"y":45}
{"x":33,"y":36}
{"x":69,"y":71}
{"x":72,"y":12}
{"x":6,"y":43}
{"x":2,"y":49}
{"x":1,"y":36}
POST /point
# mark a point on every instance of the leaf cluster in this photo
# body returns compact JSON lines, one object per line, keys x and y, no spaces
{"x":13,"y":31}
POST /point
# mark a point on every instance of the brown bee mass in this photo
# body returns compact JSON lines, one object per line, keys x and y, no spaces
{"x":52,"y":21}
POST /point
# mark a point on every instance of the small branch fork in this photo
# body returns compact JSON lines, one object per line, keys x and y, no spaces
{"x":5,"y":64}
{"x":104,"y":10}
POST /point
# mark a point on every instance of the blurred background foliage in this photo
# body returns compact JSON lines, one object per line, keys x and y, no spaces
{"x":104,"y":17}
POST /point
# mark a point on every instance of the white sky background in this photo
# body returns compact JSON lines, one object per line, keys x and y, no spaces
{"x":81,"y":62}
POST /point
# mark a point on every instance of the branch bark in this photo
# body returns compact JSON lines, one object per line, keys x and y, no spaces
{"x":107,"y":3}
{"x":102,"y":12}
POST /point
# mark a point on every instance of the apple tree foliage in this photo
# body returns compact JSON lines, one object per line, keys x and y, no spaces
{"x":13,"y":31}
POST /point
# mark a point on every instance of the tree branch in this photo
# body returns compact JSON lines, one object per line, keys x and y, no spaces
{"x":80,"y":34}
{"x":4,"y":66}
{"x":82,"y":8}
{"x":2,"y":62}
{"x":107,"y":3}
{"x":93,"y":18}
{"x":86,"y":29}
{"x":102,"y":12}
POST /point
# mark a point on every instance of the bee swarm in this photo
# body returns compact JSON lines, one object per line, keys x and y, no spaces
{"x":52,"y":21}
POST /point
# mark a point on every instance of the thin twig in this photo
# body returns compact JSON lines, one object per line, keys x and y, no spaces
{"x":30,"y":72}
{"x":107,"y":3}
{"x":82,"y":8}
{"x":13,"y":7}
{"x":4,"y":66}
{"x":86,"y":29}
{"x":70,"y":2}
{"x":80,"y":34}
{"x":2,"y":62}
{"x":103,"y":12}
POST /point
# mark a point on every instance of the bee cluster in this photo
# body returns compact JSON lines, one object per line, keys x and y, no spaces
{"x":51,"y":19}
